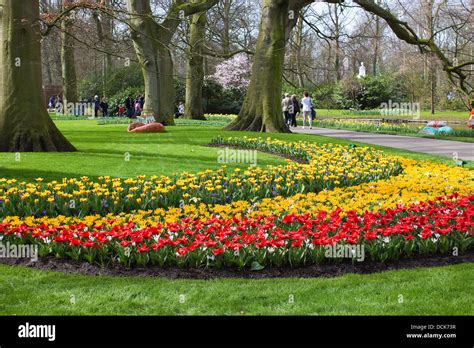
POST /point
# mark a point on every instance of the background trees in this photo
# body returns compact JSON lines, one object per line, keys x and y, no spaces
{"x":329,"y":41}
{"x":418,"y":51}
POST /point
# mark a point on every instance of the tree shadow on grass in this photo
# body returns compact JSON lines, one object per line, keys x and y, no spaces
{"x":22,"y":174}
{"x":115,"y":163}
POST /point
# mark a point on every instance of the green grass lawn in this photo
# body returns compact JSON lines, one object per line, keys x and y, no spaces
{"x":428,"y":291}
{"x":102,"y":149}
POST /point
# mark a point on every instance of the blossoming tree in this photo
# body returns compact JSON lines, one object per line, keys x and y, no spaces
{"x":234,"y":72}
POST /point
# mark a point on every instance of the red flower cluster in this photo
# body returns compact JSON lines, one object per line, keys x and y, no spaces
{"x":427,"y":227}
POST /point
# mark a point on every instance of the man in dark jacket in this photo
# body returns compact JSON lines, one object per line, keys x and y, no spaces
{"x":96,"y":106}
{"x":296,"y":110}
{"x":104,"y":105}
{"x":129,"y":105}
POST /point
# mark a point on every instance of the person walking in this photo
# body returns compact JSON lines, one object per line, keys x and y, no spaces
{"x":296,"y":110}
{"x":96,"y":106}
{"x":470,"y":122}
{"x":129,"y":106}
{"x":307,"y":110}
{"x":285,"y":104}
{"x":138,"y":107}
{"x":104,"y":105}
{"x":291,"y":112}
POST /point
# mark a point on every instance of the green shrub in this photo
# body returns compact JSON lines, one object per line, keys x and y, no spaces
{"x":120,"y":78}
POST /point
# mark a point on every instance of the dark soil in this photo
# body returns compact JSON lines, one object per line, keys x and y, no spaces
{"x":327,"y":269}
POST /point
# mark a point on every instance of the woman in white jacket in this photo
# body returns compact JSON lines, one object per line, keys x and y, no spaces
{"x":307,"y":107}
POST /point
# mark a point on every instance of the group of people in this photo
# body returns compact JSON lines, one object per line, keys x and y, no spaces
{"x":180,"y":110}
{"x":54,"y":102}
{"x":101,"y":106}
{"x":132,"y":107}
{"x":291,"y":107}
{"x":470,"y":122}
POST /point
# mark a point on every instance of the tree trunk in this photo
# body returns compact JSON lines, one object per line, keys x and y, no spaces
{"x":261,"y":111}
{"x":299,"y":47}
{"x":69,"y":77}
{"x":376,"y":46}
{"x":156,"y":62}
{"x":152,"y":42}
{"x":195,"y":68}
{"x":431,"y":31}
{"x":166,"y":95}
{"x":104,"y":23}
{"x":337,"y":61}
{"x":226,"y":29}
{"x":108,"y":26}
{"x":25,"y":126}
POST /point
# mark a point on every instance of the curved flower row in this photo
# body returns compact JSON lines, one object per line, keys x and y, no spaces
{"x":435,"y":226}
{"x":330,"y":166}
{"x":420,"y":181}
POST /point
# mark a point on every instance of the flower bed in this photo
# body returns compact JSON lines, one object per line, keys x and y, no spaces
{"x":420,"y":181}
{"x":384,"y":127}
{"x":430,"y":227}
{"x":330,"y":166}
{"x":275,"y":216}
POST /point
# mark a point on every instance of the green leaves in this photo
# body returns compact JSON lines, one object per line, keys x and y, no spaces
{"x":256,"y":266}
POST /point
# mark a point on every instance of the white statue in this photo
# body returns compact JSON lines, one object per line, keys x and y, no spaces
{"x":362,"y":72}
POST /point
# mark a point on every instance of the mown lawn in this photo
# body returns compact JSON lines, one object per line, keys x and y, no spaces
{"x":427,"y":291}
{"x":102,"y":151}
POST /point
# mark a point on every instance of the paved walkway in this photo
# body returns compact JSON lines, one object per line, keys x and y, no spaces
{"x":448,"y":148}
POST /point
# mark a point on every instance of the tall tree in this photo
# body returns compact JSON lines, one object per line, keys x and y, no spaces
{"x":298,"y":48}
{"x":261,"y":110}
{"x":25,"y":125}
{"x":377,"y":39}
{"x":105,"y":30}
{"x":195,"y":66}
{"x":68,"y":64}
{"x":152,"y":44}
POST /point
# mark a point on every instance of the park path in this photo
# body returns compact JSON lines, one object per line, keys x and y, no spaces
{"x":448,"y":148}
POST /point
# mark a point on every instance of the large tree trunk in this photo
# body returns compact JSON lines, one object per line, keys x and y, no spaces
{"x":261,"y":111}
{"x":152,"y":41}
{"x":25,"y":125}
{"x":104,"y":23}
{"x":166,"y":95}
{"x":68,"y":64}
{"x":156,"y":62}
{"x":195,"y":68}
{"x":226,"y":23}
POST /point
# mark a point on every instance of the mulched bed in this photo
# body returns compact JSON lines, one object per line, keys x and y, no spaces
{"x":312,"y":271}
